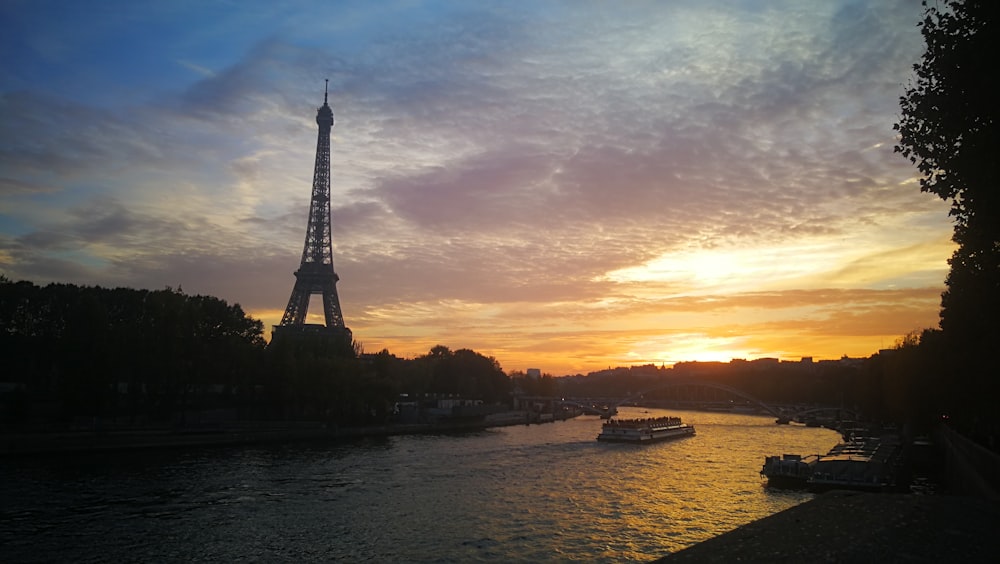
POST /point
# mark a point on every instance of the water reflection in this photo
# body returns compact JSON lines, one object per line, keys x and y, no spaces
{"x":538,"y":493}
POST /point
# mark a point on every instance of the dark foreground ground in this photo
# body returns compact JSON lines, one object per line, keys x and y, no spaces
{"x":841,"y":526}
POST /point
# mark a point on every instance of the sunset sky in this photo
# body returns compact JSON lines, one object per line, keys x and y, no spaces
{"x":561,"y":185}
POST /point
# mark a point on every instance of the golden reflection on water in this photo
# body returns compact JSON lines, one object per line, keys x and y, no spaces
{"x":540,"y":493}
{"x":636,"y":502}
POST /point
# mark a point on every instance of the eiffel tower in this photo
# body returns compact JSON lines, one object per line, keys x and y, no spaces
{"x":315,"y":274}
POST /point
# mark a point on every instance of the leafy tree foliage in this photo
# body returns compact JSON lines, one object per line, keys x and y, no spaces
{"x":122,"y":352}
{"x":322,"y":377}
{"x":546,"y":385}
{"x":904,"y":384}
{"x":134,"y":357}
{"x":463,"y":372}
{"x":948,"y":128}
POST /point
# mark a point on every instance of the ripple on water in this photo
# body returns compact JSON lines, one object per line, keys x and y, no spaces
{"x":539,"y":493}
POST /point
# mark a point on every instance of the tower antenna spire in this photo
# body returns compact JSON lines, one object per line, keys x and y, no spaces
{"x":326,"y":88}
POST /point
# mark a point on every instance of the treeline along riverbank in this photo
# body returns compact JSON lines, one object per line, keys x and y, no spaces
{"x":111,"y":359}
{"x":103,"y":360}
{"x":133,"y":356}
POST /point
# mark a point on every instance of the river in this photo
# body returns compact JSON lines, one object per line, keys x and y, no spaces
{"x":540,"y":493}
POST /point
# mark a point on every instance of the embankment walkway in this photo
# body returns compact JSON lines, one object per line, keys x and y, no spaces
{"x":845,"y":527}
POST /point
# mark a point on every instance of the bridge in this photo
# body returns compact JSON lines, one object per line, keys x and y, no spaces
{"x":602,"y":406}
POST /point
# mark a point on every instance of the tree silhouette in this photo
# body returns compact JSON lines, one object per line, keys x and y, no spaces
{"x":948,"y":128}
{"x":106,"y":353}
{"x":463,"y":372}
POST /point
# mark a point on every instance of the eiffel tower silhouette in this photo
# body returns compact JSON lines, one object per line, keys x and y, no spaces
{"x":315,"y":274}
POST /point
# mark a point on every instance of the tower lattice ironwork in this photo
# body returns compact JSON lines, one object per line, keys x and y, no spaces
{"x":315,"y":274}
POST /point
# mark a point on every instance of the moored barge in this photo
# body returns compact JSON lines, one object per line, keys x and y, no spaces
{"x":789,"y":470}
{"x":863,"y":463}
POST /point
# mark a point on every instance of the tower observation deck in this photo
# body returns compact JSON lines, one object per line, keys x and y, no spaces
{"x":316,"y":274}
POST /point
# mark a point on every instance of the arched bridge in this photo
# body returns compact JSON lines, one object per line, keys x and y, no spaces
{"x":782,"y":413}
{"x":704,"y":384}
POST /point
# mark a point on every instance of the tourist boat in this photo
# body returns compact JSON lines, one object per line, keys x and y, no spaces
{"x":649,"y":430}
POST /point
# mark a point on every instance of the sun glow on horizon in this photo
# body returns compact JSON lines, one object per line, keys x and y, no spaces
{"x":731,"y":269}
{"x":489,"y":216}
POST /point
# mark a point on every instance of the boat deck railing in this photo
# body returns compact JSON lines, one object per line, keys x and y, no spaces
{"x":644,"y":422}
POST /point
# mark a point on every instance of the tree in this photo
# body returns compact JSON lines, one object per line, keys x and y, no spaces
{"x":105,"y":353}
{"x":463,"y":372}
{"x":948,"y":128}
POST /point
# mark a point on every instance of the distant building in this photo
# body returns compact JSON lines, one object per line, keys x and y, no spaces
{"x":534,"y":373}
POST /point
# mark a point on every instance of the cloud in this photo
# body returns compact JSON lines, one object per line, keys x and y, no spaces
{"x":197,"y":69}
{"x":12,"y":186}
{"x":537,"y":180}
{"x":44,"y":135}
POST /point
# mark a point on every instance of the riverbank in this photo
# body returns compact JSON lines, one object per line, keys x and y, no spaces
{"x":842,"y":526}
{"x":248,"y":433}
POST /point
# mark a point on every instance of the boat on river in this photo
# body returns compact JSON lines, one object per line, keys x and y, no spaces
{"x":863,"y":463}
{"x":789,"y":470}
{"x":646,"y":430}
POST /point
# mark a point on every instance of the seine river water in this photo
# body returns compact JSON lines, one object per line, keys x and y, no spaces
{"x":540,"y":493}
